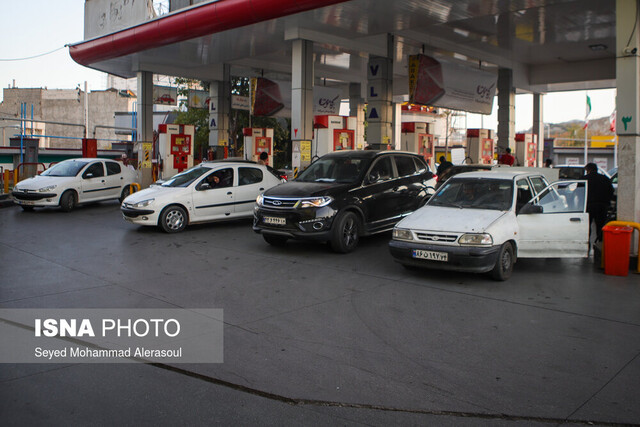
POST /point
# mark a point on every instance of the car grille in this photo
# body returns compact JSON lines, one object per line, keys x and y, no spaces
{"x":437,"y":237}
{"x":279,"y":203}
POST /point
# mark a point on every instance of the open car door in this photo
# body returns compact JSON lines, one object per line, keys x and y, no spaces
{"x":555,"y":224}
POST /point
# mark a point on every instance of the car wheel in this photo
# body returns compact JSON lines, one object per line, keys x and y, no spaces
{"x":274,"y":240}
{"x":27,"y":208}
{"x":346,"y":232}
{"x":173,"y":219}
{"x":68,"y":201}
{"x":504,"y":264}
{"x":125,"y":193}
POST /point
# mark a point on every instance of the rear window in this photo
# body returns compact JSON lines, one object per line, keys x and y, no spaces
{"x":247,"y":176}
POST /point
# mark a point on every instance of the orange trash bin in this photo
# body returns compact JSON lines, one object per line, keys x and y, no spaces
{"x":617,"y":243}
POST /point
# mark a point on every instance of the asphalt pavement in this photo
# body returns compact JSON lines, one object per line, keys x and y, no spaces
{"x":316,"y":338}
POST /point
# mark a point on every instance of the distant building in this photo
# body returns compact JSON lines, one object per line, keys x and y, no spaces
{"x":67,"y":108}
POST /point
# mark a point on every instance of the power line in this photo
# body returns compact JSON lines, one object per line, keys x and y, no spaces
{"x":32,"y":57}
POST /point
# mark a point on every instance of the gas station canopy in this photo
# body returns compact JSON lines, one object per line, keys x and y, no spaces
{"x":549,"y":45}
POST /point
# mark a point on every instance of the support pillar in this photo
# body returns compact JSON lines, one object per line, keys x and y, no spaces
{"x":628,"y":110}
{"x":144,"y":141}
{"x":219,"y":110}
{"x":356,"y":109}
{"x":506,"y":111}
{"x":380,"y":99}
{"x":538,"y":126}
{"x":301,"y":103}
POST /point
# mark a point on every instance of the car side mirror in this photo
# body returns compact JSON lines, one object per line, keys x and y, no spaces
{"x":88,"y":175}
{"x":204,"y":186}
{"x":373,"y":177}
{"x":530,"y":208}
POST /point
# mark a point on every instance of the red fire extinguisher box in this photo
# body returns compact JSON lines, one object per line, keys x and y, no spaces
{"x":617,"y":242}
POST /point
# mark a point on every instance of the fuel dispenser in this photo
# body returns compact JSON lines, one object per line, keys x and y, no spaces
{"x":175,"y":149}
{"x":256,"y":141}
{"x":481,"y":146}
{"x":526,"y":149}
{"x":417,"y":139}
{"x":333,"y":133}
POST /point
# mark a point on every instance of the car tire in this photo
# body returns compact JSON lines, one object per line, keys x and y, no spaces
{"x":27,"y":208}
{"x":173,"y":219}
{"x":125,"y":193}
{"x":504,"y":264}
{"x":68,"y":201}
{"x":345,"y":233}
{"x":274,"y":240}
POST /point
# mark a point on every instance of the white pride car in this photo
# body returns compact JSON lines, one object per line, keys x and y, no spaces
{"x":483,"y":221}
{"x":211,"y":191}
{"x":73,"y":182}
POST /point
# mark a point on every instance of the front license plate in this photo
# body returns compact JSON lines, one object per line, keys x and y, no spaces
{"x":274,"y":220}
{"x":430,"y":255}
{"x":27,"y":202}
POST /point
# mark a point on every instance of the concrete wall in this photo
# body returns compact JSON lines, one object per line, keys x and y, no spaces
{"x":65,"y":106}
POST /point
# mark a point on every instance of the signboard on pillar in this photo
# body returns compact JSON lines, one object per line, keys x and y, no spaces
{"x":441,"y":83}
{"x":378,"y":68}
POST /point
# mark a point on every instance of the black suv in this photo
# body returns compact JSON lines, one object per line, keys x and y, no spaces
{"x":344,"y":195}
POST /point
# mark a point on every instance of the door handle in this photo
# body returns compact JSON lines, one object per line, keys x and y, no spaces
{"x":229,"y":193}
{"x":575,"y":220}
{"x":261,"y":189}
{"x":102,"y":180}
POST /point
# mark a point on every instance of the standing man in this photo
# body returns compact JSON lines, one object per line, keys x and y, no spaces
{"x":599,"y":195}
{"x":507,"y":158}
{"x":443,"y":166}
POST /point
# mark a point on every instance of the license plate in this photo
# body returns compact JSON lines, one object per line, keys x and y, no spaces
{"x":27,"y":202}
{"x":274,"y":220}
{"x":430,"y":255}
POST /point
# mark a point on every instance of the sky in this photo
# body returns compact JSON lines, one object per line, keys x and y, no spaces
{"x":34,"y":27}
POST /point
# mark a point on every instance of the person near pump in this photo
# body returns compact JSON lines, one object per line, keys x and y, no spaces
{"x":443,"y":166}
{"x":264,"y":156}
{"x":507,"y":158}
{"x":599,"y":195}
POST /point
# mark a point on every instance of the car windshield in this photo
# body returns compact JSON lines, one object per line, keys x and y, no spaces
{"x":184,"y":179}
{"x":341,"y":170}
{"x":67,"y":168}
{"x":475,"y":193}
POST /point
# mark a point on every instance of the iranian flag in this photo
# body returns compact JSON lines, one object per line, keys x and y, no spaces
{"x":586,"y":116}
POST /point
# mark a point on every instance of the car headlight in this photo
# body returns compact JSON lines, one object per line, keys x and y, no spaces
{"x":259,"y":200}
{"x":476,"y":239}
{"x":49,"y":188}
{"x":402,"y":234}
{"x":317,"y":202}
{"x":142,"y":204}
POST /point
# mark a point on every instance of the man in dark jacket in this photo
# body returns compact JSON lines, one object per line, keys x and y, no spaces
{"x":443,"y":166}
{"x":599,"y":195}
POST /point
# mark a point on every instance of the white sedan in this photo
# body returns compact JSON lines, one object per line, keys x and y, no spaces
{"x":211,"y":191}
{"x":73,"y":182}
{"x":483,"y":221}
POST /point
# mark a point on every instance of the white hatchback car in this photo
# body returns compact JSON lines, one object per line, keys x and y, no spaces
{"x":73,"y":182}
{"x":483,"y":221}
{"x":210,"y":191}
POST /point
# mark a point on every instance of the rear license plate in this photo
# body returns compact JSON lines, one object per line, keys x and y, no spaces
{"x":274,"y":220}
{"x":430,"y":255}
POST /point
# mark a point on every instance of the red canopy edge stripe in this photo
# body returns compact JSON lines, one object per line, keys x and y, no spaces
{"x":199,"y":21}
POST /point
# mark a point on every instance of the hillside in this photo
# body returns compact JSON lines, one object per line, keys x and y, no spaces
{"x":574,"y":128}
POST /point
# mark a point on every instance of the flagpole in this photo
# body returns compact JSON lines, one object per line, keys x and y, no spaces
{"x":586,"y":130}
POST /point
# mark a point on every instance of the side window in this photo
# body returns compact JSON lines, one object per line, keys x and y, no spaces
{"x":219,"y":179}
{"x":524,"y":193}
{"x":381,"y":170}
{"x":405,"y":165}
{"x":248,"y":176}
{"x":113,"y":168}
{"x":421,"y":166}
{"x":563,"y":197}
{"x":95,"y":170}
{"x":538,"y":183}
